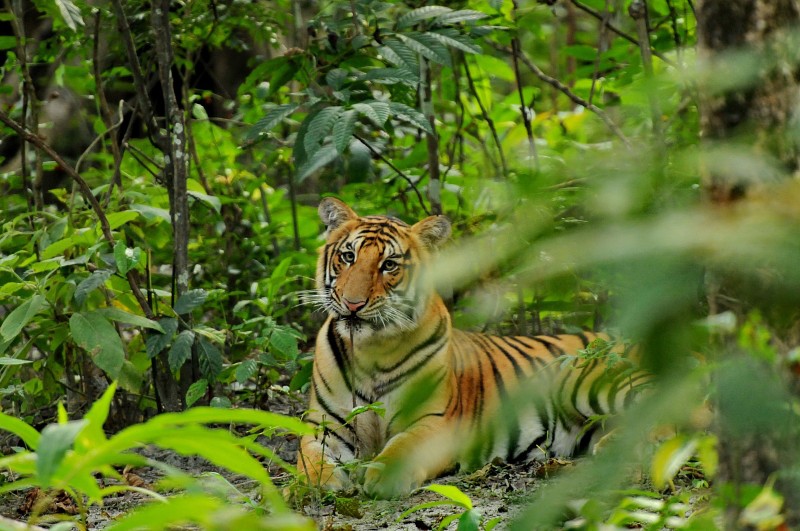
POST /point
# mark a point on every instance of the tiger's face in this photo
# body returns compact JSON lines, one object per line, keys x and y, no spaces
{"x":368,"y":273}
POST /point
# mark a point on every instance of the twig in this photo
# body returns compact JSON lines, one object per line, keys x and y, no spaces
{"x":638,"y":12}
{"x":397,"y":170}
{"x":486,"y":118}
{"x":524,"y":109}
{"x":138,"y":78}
{"x":619,"y":32}
{"x":30,"y":189}
{"x":86,"y":192}
{"x":432,"y":139}
{"x":105,"y":110}
{"x":571,"y":95}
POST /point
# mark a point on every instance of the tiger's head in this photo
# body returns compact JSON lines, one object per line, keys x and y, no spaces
{"x":369,"y":271}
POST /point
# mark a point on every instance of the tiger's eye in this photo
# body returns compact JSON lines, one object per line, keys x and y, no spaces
{"x":348,"y":257}
{"x":389,"y":265}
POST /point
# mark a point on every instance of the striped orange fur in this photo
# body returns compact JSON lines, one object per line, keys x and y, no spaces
{"x":449,"y":397}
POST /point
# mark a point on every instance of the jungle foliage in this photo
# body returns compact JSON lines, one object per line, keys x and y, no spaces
{"x":163,"y":162}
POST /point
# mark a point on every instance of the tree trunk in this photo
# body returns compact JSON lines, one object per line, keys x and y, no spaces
{"x":758,"y":440}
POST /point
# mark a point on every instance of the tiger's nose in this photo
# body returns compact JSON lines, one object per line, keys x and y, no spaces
{"x":354,"y":306}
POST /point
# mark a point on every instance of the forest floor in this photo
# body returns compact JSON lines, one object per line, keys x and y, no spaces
{"x":498,"y":491}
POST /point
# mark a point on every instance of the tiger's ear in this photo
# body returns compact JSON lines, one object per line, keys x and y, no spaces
{"x":333,"y":212}
{"x":433,"y":231}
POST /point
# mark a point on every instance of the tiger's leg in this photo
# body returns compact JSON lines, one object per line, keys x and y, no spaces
{"x":424,"y":451}
{"x":316,"y":461}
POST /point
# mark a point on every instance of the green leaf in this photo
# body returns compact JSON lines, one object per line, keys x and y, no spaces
{"x":428,"y":47}
{"x":157,"y":342}
{"x":220,"y":402}
{"x":335,"y":78}
{"x":5,"y":360}
{"x":56,"y":439}
{"x":284,"y":342}
{"x":21,"y":429}
{"x":125,"y":257}
{"x":462,"y":15}
{"x":89,"y":284}
{"x":321,"y":158}
{"x":190,"y":300}
{"x":246,"y":370}
{"x":96,"y":417}
{"x":421,"y":13}
{"x":343,"y":130}
{"x":404,"y":112}
{"x":669,"y":458}
{"x":210,"y":359}
{"x":118,"y":219}
{"x":121,"y":316}
{"x":376,"y":111}
{"x":452,"y":39}
{"x":470,"y":521}
{"x":196,"y":391}
{"x":209,"y":200}
{"x":199,"y":112}
{"x":181,"y":350}
{"x":272,"y":118}
{"x":400,"y":55}
{"x":7,"y":42}
{"x":389,"y":76}
{"x":318,"y":128}
{"x":452,"y":493}
{"x":97,"y":336}
{"x":70,"y":13}
{"x":21,"y":316}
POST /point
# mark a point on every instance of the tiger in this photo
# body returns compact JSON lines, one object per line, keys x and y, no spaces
{"x":395,"y":383}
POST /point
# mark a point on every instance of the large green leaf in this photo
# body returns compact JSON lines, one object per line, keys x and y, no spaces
{"x":21,"y":429}
{"x":399,"y":54}
{"x":190,"y":300}
{"x":453,"y":39}
{"x":210,"y":358}
{"x":21,"y":316}
{"x":126,"y":257}
{"x":428,"y":47}
{"x":319,"y":126}
{"x":421,"y":13}
{"x":321,"y":158}
{"x":409,"y":114}
{"x":272,"y":118}
{"x":121,"y":316}
{"x":343,"y":130}
{"x":91,"y":283}
{"x":56,"y":439}
{"x":462,"y":15}
{"x":181,"y":350}
{"x":196,"y":391}
{"x":96,"y":335}
{"x":70,"y":13}
{"x":157,"y":342}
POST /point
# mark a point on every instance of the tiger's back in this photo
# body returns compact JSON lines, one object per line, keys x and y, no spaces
{"x":447,"y":397}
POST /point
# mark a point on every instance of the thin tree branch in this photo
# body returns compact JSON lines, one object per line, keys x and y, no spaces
{"x":397,"y":170}
{"x":432,"y":139}
{"x":486,"y":118}
{"x":571,"y":95}
{"x":619,"y":32}
{"x":638,"y":12}
{"x":524,"y":109}
{"x":86,"y":192}
{"x":138,"y":78}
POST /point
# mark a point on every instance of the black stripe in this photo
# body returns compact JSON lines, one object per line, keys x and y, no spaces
{"x":393,"y":383}
{"x":328,"y":431}
{"x":437,"y":335}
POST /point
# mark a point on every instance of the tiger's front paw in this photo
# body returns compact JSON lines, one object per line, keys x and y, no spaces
{"x":392,"y":480}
